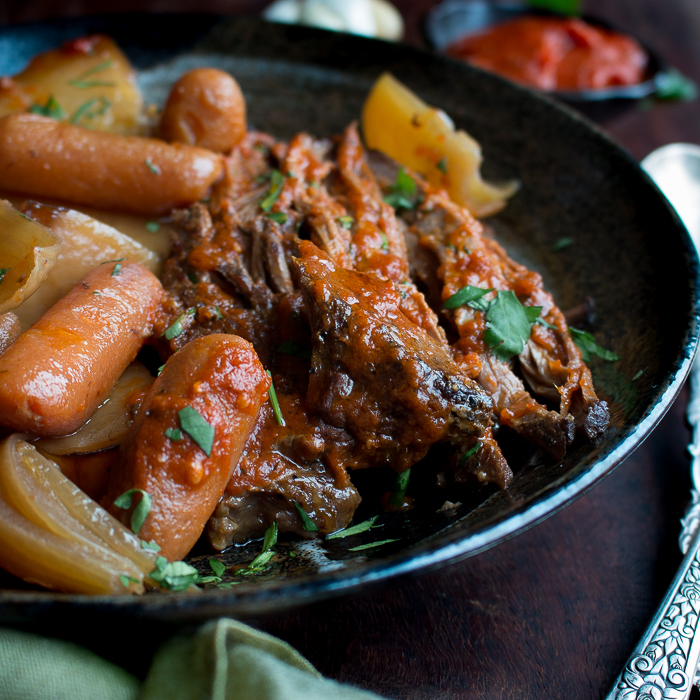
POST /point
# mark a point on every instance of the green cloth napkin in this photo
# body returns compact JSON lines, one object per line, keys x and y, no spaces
{"x":223,"y":660}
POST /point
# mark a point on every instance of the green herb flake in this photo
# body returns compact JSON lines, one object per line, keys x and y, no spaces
{"x":276,"y":185}
{"x":275,"y":403}
{"x":229,"y":584}
{"x":117,"y":269}
{"x":561,"y":7}
{"x":471,"y":451}
{"x":442,"y":166}
{"x":372,"y":545}
{"x":293,"y":555}
{"x":174,"y":434}
{"x":97,"y":294}
{"x":639,"y":374}
{"x":192,"y":423}
{"x":544,"y":323}
{"x":151,"y":546}
{"x":160,"y":369}
{"x":218,"y":314}
{"x":50,"y":109}
{"x":385,"y":242}
{"x":277,"y":216}
{"x":588,"y":347}
{"x":217,"y":567}
{"x":3,"y":272}
{"x":152,"y":166}
{"x":291,"y":347}
{"x":562,"y":243}
{"x":173,"y":330}
{"x":152,"y":226}
{"x":308,"y":524}
{"x":673,"y":85}
{"x":86,"y":111}
{"x":126,"y":580}
{"x":346,"y":221}
{"x":140,"y":512}
{"x":354,"y":530}
{"x":174,"y":576}
{"x":508,"y":325}
{"x":467,"y":295}
{"x":263,"y":559}
{"x":402,"y":194}
{"x":399,"y":491}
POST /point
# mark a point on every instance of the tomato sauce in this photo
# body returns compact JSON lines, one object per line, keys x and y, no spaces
{"x":555,"y":54}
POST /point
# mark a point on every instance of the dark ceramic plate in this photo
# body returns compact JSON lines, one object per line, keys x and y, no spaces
{"x":453,"y":19}
{"x":630,"y":253}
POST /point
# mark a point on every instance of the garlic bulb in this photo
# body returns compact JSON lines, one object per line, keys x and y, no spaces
{"x":373,"y":18}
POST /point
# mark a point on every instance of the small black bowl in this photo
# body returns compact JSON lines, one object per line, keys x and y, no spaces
{"x":453,"y":19}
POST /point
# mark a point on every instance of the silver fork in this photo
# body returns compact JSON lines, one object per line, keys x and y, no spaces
{"x":664,"y":664}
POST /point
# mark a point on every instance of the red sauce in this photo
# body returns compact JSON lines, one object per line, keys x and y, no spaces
{"x":555,"y":54}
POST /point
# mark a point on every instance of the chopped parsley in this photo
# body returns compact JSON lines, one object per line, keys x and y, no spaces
{"x":173,"y":330}
{"x":86,"y":111}
{"x":276,"y":185}
{"x":346,"y":221}
{"x":151,"y":546}
{"x":308,"y":524}
{"x":562,"y":243}
{"x":588,"y":347}
{"x":50,"y":109}
{"x":3,"y":272}
{"x":402,"y":194}
{"x":277,"y":216}
{"x":217,"y":567}
{"x":174,"y":434}
{"x":544,"y":323}
{"x":291,"y":347}
{"x":263,"y":559}
{"x":442,"y":165}
{"x":399,"y":491}
{"x":275,"y":403}
{"x":117,"y":269}
{"x":639,"y":374}
{"x":126,"y":580}
{"x":152,"y":226}
{"x":468,"y":295}
{"x":371,"y":545}
{"x":140,"y":512}
{"x":673,"y":85}
{"x":385,"y":242}
{"x":174,"y":576}
{"x":472,"y":451}
{"x":97,"y":294}
{"x":508,"y":325}
{"x":197,"y":427}
{"x":152,"y":166}
{"x":354,"y":530}
{"x":160,"y":369}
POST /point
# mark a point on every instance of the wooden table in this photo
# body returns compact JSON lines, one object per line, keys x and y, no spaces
{"x":554,"y":612}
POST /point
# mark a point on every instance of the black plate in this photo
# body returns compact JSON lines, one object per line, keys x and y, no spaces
{"x":630,"y":253}
{"x":453,"y":19}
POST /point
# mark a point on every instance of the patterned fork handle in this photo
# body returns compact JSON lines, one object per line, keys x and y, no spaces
{"x":663,"y":665}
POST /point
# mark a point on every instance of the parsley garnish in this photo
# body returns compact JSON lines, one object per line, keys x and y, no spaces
{"x":152,"y":226}
{"x":176,"y":327}
{"x":562,"y":243}
{"x":400,"y":486}
{"x":275,"y":403}
{"x":354,"y":530}
{"x":175,"y":576}
{"x":50,"y":109}
{"x":218,"y":314}
{"x":151,"y":546}
{"x":192,"y":423}
{"x":561,"y":7}
{"x":472,"y":451}
{"x":126,"y":580}
{"x":160,"y":369}
{"x":639,"y":374}
{"x":290,"y":347}
{"x":174,"y":434}
{"x":152,"y":166}
{"x":97,"y":294}
{"x":508,"y":324}
{"x":346,"y":221}
{"x":442,"y":166}
{"x":84,"y":111}
{"x":263,"y":559}
{"x":385,"y":242}
{"x":117,"y":269}
{"x":276,"y":185}
{"x":467,"y":295}
{"x":544,"y":323}
{"x":673,"y":85}
{"x":308,"y":524}
{"x":277,"y":216}
{"x":140,"y":512}
{"x":371,"y":545}
{"x":402,"y":194}
{"x":3,"y":272}
{"x":217,"y":567}
{"x":587,"y":345}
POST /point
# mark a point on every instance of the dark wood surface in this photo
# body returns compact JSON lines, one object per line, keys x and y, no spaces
{"x":554,"y":612}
